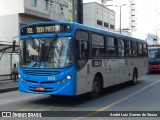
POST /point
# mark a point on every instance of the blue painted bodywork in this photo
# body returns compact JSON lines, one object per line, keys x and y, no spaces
{"x":30,"y":78}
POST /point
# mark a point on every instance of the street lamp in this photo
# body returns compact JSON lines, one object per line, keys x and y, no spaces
{"x":156,"y":35}
{"x":120,"y":6}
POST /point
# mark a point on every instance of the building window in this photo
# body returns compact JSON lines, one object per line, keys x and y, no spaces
{"x":112,"y":26}
{"x":99,"y":22}
{"x":106,"y":24}
{"x":34,"y":3}
{"x":46,"y":4}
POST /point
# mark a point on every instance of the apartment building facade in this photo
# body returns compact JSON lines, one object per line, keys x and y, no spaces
{"x":98,"y":15}
{"x":145,"y":20}
{"x":14,"y":13}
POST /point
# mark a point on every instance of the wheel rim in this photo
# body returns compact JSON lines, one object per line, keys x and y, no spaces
{"x":95,"y":89}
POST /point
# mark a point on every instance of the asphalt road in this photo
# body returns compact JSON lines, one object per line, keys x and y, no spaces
{"x":145,"y":96}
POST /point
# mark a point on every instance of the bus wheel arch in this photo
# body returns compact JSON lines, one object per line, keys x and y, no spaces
{"x":97,"y":85}
{"x":134,"y":76}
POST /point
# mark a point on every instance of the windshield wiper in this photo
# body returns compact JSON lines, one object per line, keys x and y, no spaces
{"x":32,"y":64}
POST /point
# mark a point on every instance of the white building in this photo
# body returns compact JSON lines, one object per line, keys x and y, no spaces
{"x":99,"y":16}
{"x":147,"y":18}
{"x":114,"y":7}
{"x":140,"y":16}
{"x":14,"y":13}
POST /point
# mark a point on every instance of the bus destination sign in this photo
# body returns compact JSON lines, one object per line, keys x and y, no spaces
{"x":38,"y":29}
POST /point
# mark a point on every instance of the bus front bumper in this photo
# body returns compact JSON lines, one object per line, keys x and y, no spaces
{"x":66,"y":89}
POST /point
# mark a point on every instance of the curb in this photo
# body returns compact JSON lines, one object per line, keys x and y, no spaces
{"x":8,"y":89}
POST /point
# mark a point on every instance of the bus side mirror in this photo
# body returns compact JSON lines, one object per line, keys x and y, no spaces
{"x":14,"y":46}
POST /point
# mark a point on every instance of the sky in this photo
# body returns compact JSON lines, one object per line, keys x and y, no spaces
{"x":144,"y":16}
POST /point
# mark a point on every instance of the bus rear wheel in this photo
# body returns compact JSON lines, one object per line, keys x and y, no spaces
{"x":96,"y":87}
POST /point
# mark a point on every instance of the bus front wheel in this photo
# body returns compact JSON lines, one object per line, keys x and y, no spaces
{"x":96,"y":87}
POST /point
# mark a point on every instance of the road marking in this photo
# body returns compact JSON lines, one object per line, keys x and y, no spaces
{"x":116,"y":102}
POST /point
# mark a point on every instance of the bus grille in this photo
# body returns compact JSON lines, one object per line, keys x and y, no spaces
{"x":41,"y":72}
{"x":42,"y":82}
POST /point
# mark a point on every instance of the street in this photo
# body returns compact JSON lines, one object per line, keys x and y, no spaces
{"x":142,"y":97}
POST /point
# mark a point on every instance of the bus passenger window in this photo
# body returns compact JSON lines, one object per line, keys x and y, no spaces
{"x":134,"y":48}
{"x":130,"y":48}
{"x":120,"y":47}
{"x":97,"y":45}
{"x":111,"y":46}
{"x":140,"y":49}
{"x":145,"y":50}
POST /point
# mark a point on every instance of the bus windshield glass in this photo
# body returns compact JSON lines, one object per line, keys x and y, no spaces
{"x":47,"y":52}
{"x":154,"y":53}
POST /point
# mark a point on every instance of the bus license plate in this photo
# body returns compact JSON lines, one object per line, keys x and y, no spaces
{"x":40,"y":89}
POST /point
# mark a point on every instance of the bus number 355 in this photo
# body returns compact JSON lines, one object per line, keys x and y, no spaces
{"x":51,"y":78}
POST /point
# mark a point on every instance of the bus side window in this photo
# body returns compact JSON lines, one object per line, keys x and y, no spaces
{"x":120,"y":47}
{"x":134,"y":48}
{"x":110,"y":46}
{"x":82,"y":49}
{"x":97,"y":45}
{"x":145,"y":49}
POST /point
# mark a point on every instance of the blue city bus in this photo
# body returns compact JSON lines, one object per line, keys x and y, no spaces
{"x":69,"y":59}
{"x":154,"y":58}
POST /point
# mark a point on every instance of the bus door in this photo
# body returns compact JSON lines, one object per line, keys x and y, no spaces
{"x":82,"y":48}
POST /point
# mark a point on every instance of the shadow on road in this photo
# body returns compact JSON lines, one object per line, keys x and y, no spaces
{"x":71,"y":101}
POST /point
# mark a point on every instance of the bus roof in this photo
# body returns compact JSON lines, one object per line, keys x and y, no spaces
{"x":90,"y":28}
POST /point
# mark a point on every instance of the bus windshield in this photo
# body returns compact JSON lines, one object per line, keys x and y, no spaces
{"x":47,"y":52}
{"x":154,"y":53}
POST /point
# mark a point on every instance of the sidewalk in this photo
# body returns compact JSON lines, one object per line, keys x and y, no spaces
{"x":8,"y":85}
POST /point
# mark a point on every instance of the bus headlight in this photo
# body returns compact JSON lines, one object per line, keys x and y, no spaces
{"x":69,"y":77}
{"x":58,"y":82}
{"x":21,"y":78}
{"x":63,"y":81}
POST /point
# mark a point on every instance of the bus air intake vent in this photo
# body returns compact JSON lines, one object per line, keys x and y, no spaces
{"x":40,"y":72}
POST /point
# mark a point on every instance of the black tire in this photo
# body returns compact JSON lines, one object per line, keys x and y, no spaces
{"x":135,"y":76}
{"x":96,"y":87}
